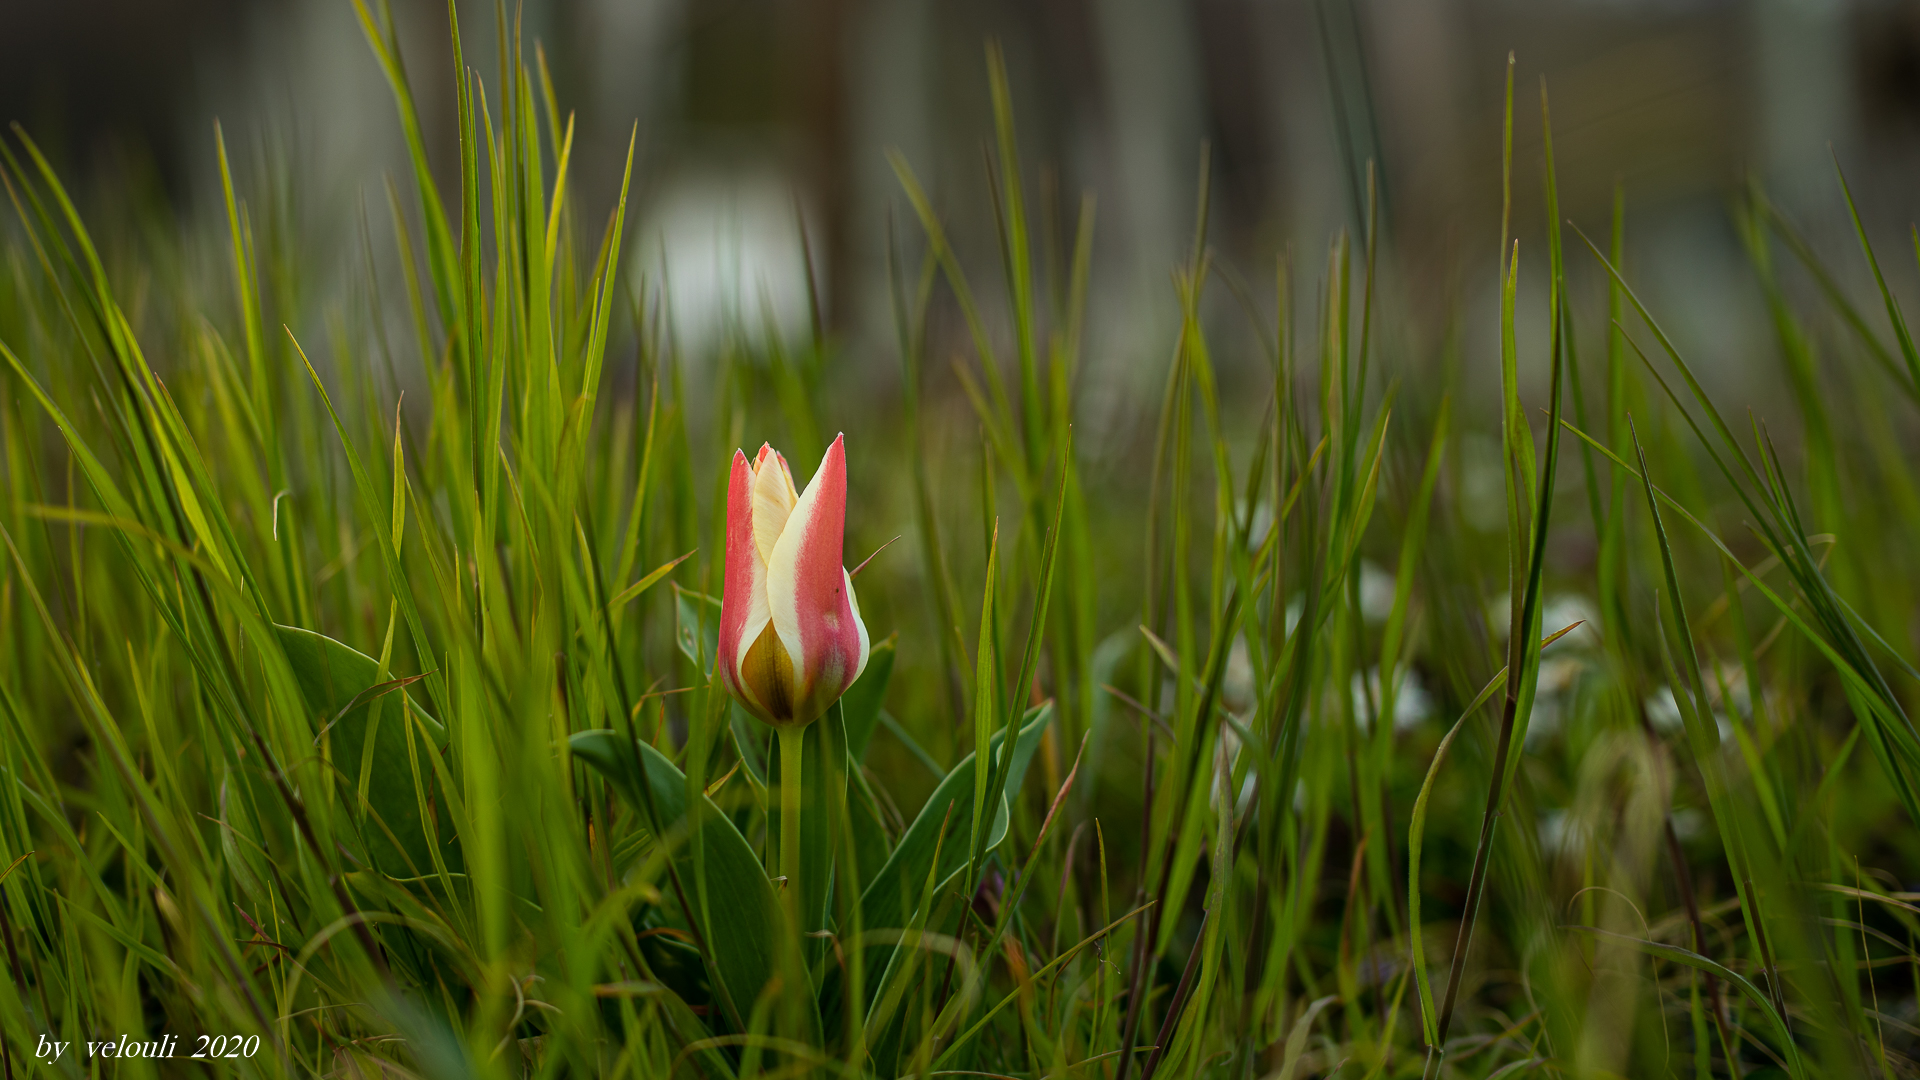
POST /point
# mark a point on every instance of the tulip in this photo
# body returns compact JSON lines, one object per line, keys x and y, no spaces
{"x":791,"y":639}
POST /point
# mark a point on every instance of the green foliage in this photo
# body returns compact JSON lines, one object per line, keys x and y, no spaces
{"x":384,"y":728}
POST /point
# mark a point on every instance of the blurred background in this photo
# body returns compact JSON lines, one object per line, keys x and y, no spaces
{"x":765,"y":210}
{"x":754,"y":116}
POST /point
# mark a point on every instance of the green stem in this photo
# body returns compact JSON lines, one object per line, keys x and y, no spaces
{"x":793,"y":743}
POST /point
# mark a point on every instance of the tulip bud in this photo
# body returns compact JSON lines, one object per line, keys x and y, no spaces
{"x":791,"y":639}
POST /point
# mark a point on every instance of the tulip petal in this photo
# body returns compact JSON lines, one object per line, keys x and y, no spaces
{"x":810,"y":594}
{"x":766,"y":667}
{"x":737,"y":587}
{"x":866,"y":645}
{"x":773,"y":500}
{"x":743,"y":599}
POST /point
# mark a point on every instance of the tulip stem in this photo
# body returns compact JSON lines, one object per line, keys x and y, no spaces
{"x":793,"y":743}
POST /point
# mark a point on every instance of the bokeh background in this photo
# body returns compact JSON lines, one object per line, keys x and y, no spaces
{"x":762,"y":179}
{"x":756,"y":114}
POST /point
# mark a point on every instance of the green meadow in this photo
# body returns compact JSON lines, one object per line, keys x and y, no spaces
{"x":1356,"y":706}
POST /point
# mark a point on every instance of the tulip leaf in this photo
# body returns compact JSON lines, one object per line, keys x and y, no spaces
{"x":338,"y":683}
{"x":673,"y":961}
{"x":884,"y":905}
{"x":871,"y":845}
{"x":863,"y":699}
{"x":734,"y":904}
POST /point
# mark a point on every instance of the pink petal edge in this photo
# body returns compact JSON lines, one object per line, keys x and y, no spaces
{"x":736,"y":595}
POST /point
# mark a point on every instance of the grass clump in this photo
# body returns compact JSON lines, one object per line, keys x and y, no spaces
{"x":385,"y":735}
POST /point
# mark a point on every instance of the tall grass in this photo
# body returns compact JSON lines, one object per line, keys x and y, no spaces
{"x":385,"y":731}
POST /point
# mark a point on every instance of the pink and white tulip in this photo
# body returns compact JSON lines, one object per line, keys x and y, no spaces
{"x":791,"y":639}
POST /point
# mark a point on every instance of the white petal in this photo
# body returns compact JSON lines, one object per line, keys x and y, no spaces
{"x":773,"y":502}
{"x":866,"y":645}
{"x":758,"y":616}
{"x":782,"y":591}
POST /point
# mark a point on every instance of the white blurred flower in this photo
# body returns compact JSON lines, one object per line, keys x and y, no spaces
{"x":1559,"y":673}
{"x":1226,"y":753}
{"x":1259,"y":525}
{"x":1737,"y":694}
{"x":1560,"y":611}
{"x":1376,"y":592}
{"x":1689,"y":823}
{"x":1236,"y":684}
{"x":1543,"y":723}
{"x":1565,"y":609}
{"x":726,"y":244}
{"x":1663,"y":712}
{"x":1553,"y":695}
{"x":1555,"y":831}
{"x":1412,"y":705}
